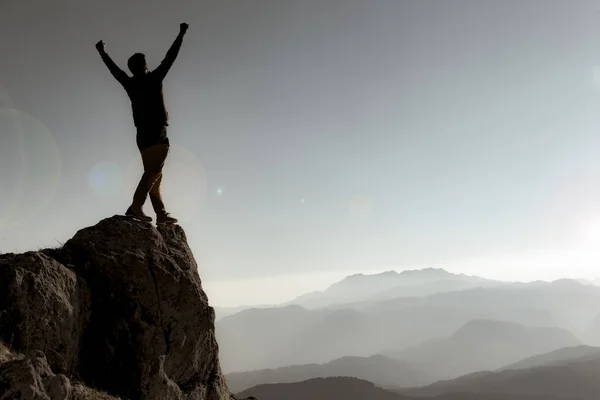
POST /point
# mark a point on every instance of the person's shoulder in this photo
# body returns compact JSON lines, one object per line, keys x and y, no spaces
{"x":126,"y":79}
{"x":155,"y":75}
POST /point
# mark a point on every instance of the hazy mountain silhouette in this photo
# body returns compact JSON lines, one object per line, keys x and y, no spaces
{"x":282,"y":336}
{"x":382,"y":371}
{"x":388,"y":285}
{"x":430,"y":288}
{"x":278,"y":337}
{"x":558,"y":356}
{"x":483,"y":345}
{"x":564,"y":303}
{"x":322,"y":389}
{"x":356,"y":389}
{"x":592,"y":332}
{"x":578,"y":379}
{"x":222,"y":312}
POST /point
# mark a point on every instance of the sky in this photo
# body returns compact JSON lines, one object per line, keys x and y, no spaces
{"x":315,"y":139}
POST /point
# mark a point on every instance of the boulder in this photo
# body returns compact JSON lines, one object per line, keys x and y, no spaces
{"x":42,"y":307}
{"x":119,"y":308}
{"x":31,"y":378}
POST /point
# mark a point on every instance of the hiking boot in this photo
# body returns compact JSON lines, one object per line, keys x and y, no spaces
{"x":165,"y":219}
{"x":138,"y":214}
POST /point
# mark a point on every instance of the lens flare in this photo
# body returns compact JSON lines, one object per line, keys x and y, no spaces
{"x":184,"y":183}
{"x":588,"y":231}
{"x":106,"y":179}
{"x":30,"y":167}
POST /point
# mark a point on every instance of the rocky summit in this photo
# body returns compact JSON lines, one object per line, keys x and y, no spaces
{"x":117,"y":312}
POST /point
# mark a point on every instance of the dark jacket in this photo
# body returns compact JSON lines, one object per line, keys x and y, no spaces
{"x":150,"y":115}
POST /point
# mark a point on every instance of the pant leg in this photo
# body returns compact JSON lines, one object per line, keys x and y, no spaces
{"x":153,"y":159}
{"x":155,"y":196}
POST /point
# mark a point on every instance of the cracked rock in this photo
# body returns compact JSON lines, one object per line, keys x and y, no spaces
{"x":120,"y":308}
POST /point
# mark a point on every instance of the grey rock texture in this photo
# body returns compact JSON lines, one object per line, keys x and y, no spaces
{"x":40,"y":307}
{"x":120,"y":308}
{"x":32,"y":378}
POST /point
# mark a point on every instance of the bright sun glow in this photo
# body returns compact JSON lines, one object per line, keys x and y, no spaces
{"x":589,"y":231}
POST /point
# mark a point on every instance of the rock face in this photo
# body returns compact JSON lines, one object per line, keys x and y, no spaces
{"x":32,"y":378}
{"x":120,"y":307}
{"x":40,"y":302}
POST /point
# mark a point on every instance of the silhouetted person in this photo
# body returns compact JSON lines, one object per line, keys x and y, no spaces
{"x":151,"y":120}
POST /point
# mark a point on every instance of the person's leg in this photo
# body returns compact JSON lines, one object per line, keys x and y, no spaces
{"x":155,"y":195}
{"x":153,"y":159}
{"x":139,"y":198}
{"x":162,"y":216}
{"x":155,"y":166}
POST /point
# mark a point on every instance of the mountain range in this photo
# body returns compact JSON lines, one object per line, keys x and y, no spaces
{"x":378,"y":369}
{"x":564,"y":377}
{"x":483,"y":345}
{"x":426,"y":334}
{"x":558,"y":356}
{"x":477,"y":346}
{"x":275,"y":337}
{"x":356,"y":389}
{"x":389,"y":285}
{"x":577,"y":378}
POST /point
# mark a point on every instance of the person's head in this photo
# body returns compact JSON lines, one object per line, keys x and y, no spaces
{"x":137,"y":64}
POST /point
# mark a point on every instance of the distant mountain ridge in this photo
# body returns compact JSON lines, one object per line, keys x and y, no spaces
{"x":387,"y":372}
{"x":222,"y":312}
{"x":569,"y":379}
{"x":381,"y":370}
{"x":277,"y":337}
{"x":322,"y":389}
{"x":290,"y":335}
{"x":390,"y":284}
{"x":357,"y":389}
{"x":482,"y":345}
{"x":563,"y":355}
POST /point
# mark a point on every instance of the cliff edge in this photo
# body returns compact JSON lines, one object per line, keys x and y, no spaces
{"x":118,"y":311}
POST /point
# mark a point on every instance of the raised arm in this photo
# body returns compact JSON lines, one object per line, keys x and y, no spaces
{"x":117,"y":72}
{"x":165,"y":65}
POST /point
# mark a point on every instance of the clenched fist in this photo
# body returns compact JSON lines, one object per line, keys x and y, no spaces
{"x":183,"y":27}
{"x":100,"y":45}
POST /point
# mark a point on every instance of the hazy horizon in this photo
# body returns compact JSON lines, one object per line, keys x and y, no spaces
{"x":534,"y":266}
{"x":312,"y":140}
